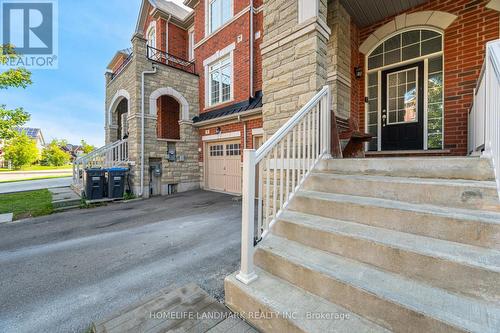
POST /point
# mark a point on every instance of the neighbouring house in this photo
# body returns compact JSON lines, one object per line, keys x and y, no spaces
{"x":403,"y":238}
{"x":193,"y":81}
{"x":35,"y":134}
{"x":75,"y":151}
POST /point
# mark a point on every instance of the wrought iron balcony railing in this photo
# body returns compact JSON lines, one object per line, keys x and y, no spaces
{"x":165,"y":58}
{"x":122,"y":66}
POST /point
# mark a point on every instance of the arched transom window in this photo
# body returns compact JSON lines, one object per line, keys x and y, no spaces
{"x":404,"y":91}
{"x":405,"y":46}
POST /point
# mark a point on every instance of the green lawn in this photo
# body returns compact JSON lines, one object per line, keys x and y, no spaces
{"x":40,"y":168}
{"x":26,"y":204}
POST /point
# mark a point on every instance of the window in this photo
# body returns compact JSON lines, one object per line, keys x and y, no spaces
{"x":405,"y":46}
{"x":372,"y":111}
{"x":191,"y":44}
{"x":402,"y":97}
{"x":151,"y":37}
{"x":217,"y":150}
{"x":233,"y":149}
{"x":219,"y":12}
{"x":220,"y":81}
{"x":435,"y":104}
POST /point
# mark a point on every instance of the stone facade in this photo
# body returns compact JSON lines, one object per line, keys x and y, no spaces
{"x":339,"y":59}
{"x":183,"y":86}
{"x":294,"y":60}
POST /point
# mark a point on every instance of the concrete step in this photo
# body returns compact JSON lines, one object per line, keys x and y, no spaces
{"x":471,"y":227}
{"x":444,"y":192}
{"x":274,"y":305}
{"x":471,"y":168}
{"x":390,"y":300}
{"x":466,"y":269}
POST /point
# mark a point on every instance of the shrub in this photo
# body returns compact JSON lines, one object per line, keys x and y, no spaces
{"x":53,"y":155}
{"x":21,"y":151}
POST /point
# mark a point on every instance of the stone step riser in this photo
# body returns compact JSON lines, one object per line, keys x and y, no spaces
{"x":420,"y":223}
{"x":240,"y":302}
{"x":381,"y":311}
{"x":470,"y":197}
{"x":443,"y":168}
{"x":467,"y":280}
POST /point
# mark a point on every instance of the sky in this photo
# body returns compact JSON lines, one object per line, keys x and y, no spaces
{"x":68,"y":103}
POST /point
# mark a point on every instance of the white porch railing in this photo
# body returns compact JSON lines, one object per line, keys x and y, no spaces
{"x":274,"y":173}
{"x":484,"y":116}
{"x":114,"y":154}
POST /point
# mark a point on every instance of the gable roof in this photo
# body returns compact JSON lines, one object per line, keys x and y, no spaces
{"x":180,"y":15}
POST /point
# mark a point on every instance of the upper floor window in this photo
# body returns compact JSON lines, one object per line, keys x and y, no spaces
{"x":220,"y":81}
{"x":151,"y":36}
{"x":219,"y":12}
{"x":191,"y":44}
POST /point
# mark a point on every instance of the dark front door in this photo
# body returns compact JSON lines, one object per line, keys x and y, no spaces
{"x":403,"y":108}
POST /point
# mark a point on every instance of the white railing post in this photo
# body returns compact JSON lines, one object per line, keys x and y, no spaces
{"x":247,"y":272}
{"x":326,"y":102}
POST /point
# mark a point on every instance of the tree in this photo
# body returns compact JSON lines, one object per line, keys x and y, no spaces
{"x":87,"y":149}
{"x":53,"y":155}
{"x":17,"y":78}
{"x":21,"y":150}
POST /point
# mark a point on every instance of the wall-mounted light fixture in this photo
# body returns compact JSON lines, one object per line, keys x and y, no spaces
{"x":358,"y":71}
{"x":218,"y":130}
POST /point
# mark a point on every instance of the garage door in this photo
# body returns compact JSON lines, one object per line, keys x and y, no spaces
{"x":224,"y":166}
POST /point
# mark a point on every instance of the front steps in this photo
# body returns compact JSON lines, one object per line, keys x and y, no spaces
{"x":403,"y":245}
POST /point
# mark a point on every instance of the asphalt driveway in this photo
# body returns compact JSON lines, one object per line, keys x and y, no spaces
{"x":59,"y":273}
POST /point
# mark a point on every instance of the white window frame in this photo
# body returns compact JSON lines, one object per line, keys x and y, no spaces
{"x":151,"y":28}
{"x":379,"y":71}
{"x":208,"y":16}
{"x":219,"y":69}
{"x":228,"y":51}
{"x":191,"y":44}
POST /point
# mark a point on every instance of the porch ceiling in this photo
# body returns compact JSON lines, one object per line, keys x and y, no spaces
{"x":366,"y":12}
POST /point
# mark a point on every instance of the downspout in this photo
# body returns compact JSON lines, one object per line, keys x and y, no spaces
{"x":143,"y":75}
{"x":251,"y":49}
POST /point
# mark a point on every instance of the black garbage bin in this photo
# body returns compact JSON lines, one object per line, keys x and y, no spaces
{"x":116,"y":182}
{"x":95,"y":181}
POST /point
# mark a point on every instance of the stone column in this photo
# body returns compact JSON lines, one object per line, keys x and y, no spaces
{"x":140,"y":64}
{"x":339,"y":59}
{"x":294,"y":59}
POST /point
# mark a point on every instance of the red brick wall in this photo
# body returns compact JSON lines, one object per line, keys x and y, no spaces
{"x":464,"y":48}
{"x":232,"y":127}
{"x":223,"y":38}
{"x":357,"y":60}
{"x":168,"y":118}
{"x":177,"y":41}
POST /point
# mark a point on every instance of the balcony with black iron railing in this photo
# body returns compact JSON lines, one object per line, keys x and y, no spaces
{"x":167,"y":59}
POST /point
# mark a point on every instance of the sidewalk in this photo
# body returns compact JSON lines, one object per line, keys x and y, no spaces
{"x":31,"y":185}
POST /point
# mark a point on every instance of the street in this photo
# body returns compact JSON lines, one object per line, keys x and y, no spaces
{"x":61,"y":272}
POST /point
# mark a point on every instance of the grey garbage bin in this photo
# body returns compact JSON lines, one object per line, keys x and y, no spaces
{"x":116,"y":182}
{"x":95,"y":181}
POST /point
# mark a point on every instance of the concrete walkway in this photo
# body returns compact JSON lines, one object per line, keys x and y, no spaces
{"x":30,"y":185}
{"x":19,"y":175}
{"x":60,"y":273}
